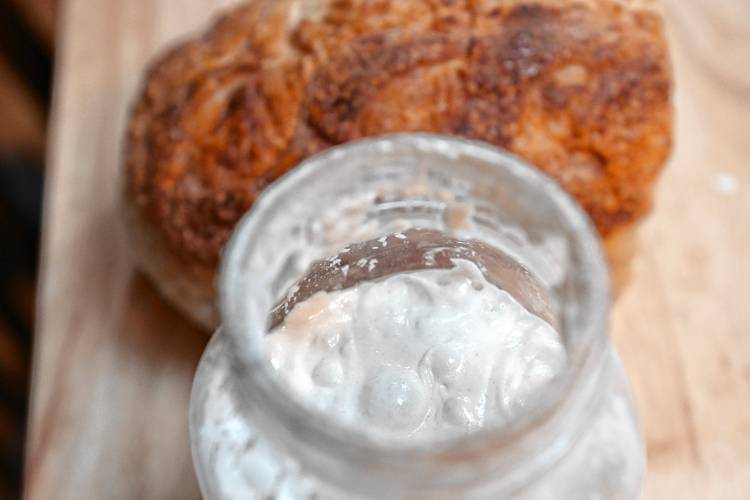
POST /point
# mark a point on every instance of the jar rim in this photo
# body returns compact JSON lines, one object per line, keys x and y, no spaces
{"x":245,"y":330}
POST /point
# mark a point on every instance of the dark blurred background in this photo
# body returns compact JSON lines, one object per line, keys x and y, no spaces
{"x":27,"y":34}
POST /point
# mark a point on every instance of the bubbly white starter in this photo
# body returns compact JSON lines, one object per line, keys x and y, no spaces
{"x":419,"y":354}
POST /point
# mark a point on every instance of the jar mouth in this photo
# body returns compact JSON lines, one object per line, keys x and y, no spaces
{"x":245,"y":322}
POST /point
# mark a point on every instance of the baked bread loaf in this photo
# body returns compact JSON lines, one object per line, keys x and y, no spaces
{"x":580,"y":89}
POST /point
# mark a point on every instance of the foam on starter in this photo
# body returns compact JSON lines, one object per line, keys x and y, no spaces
{"x":419,"y":354}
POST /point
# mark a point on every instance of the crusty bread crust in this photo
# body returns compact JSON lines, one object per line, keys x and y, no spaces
{"x":581,"y":89}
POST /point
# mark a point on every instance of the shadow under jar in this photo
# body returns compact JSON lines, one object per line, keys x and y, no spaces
{"x":374,"y":209}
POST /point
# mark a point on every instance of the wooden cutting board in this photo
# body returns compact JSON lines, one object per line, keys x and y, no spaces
{"x":113,"y":364}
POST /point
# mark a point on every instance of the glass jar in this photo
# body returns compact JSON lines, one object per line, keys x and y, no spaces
{"x":252,"y":438}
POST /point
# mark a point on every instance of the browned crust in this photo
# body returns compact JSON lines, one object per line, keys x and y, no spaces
{"x":580,"y":90}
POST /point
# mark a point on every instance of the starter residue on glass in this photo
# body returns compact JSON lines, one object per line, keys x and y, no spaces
{"x":421,"y":354}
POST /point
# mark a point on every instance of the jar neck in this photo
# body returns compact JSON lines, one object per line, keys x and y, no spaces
{"x":509,"y":199}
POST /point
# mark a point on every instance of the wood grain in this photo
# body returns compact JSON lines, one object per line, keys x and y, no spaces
{"x":113,"y":364}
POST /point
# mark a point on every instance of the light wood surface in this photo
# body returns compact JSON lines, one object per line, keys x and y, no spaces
{"x":113,"y":363}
